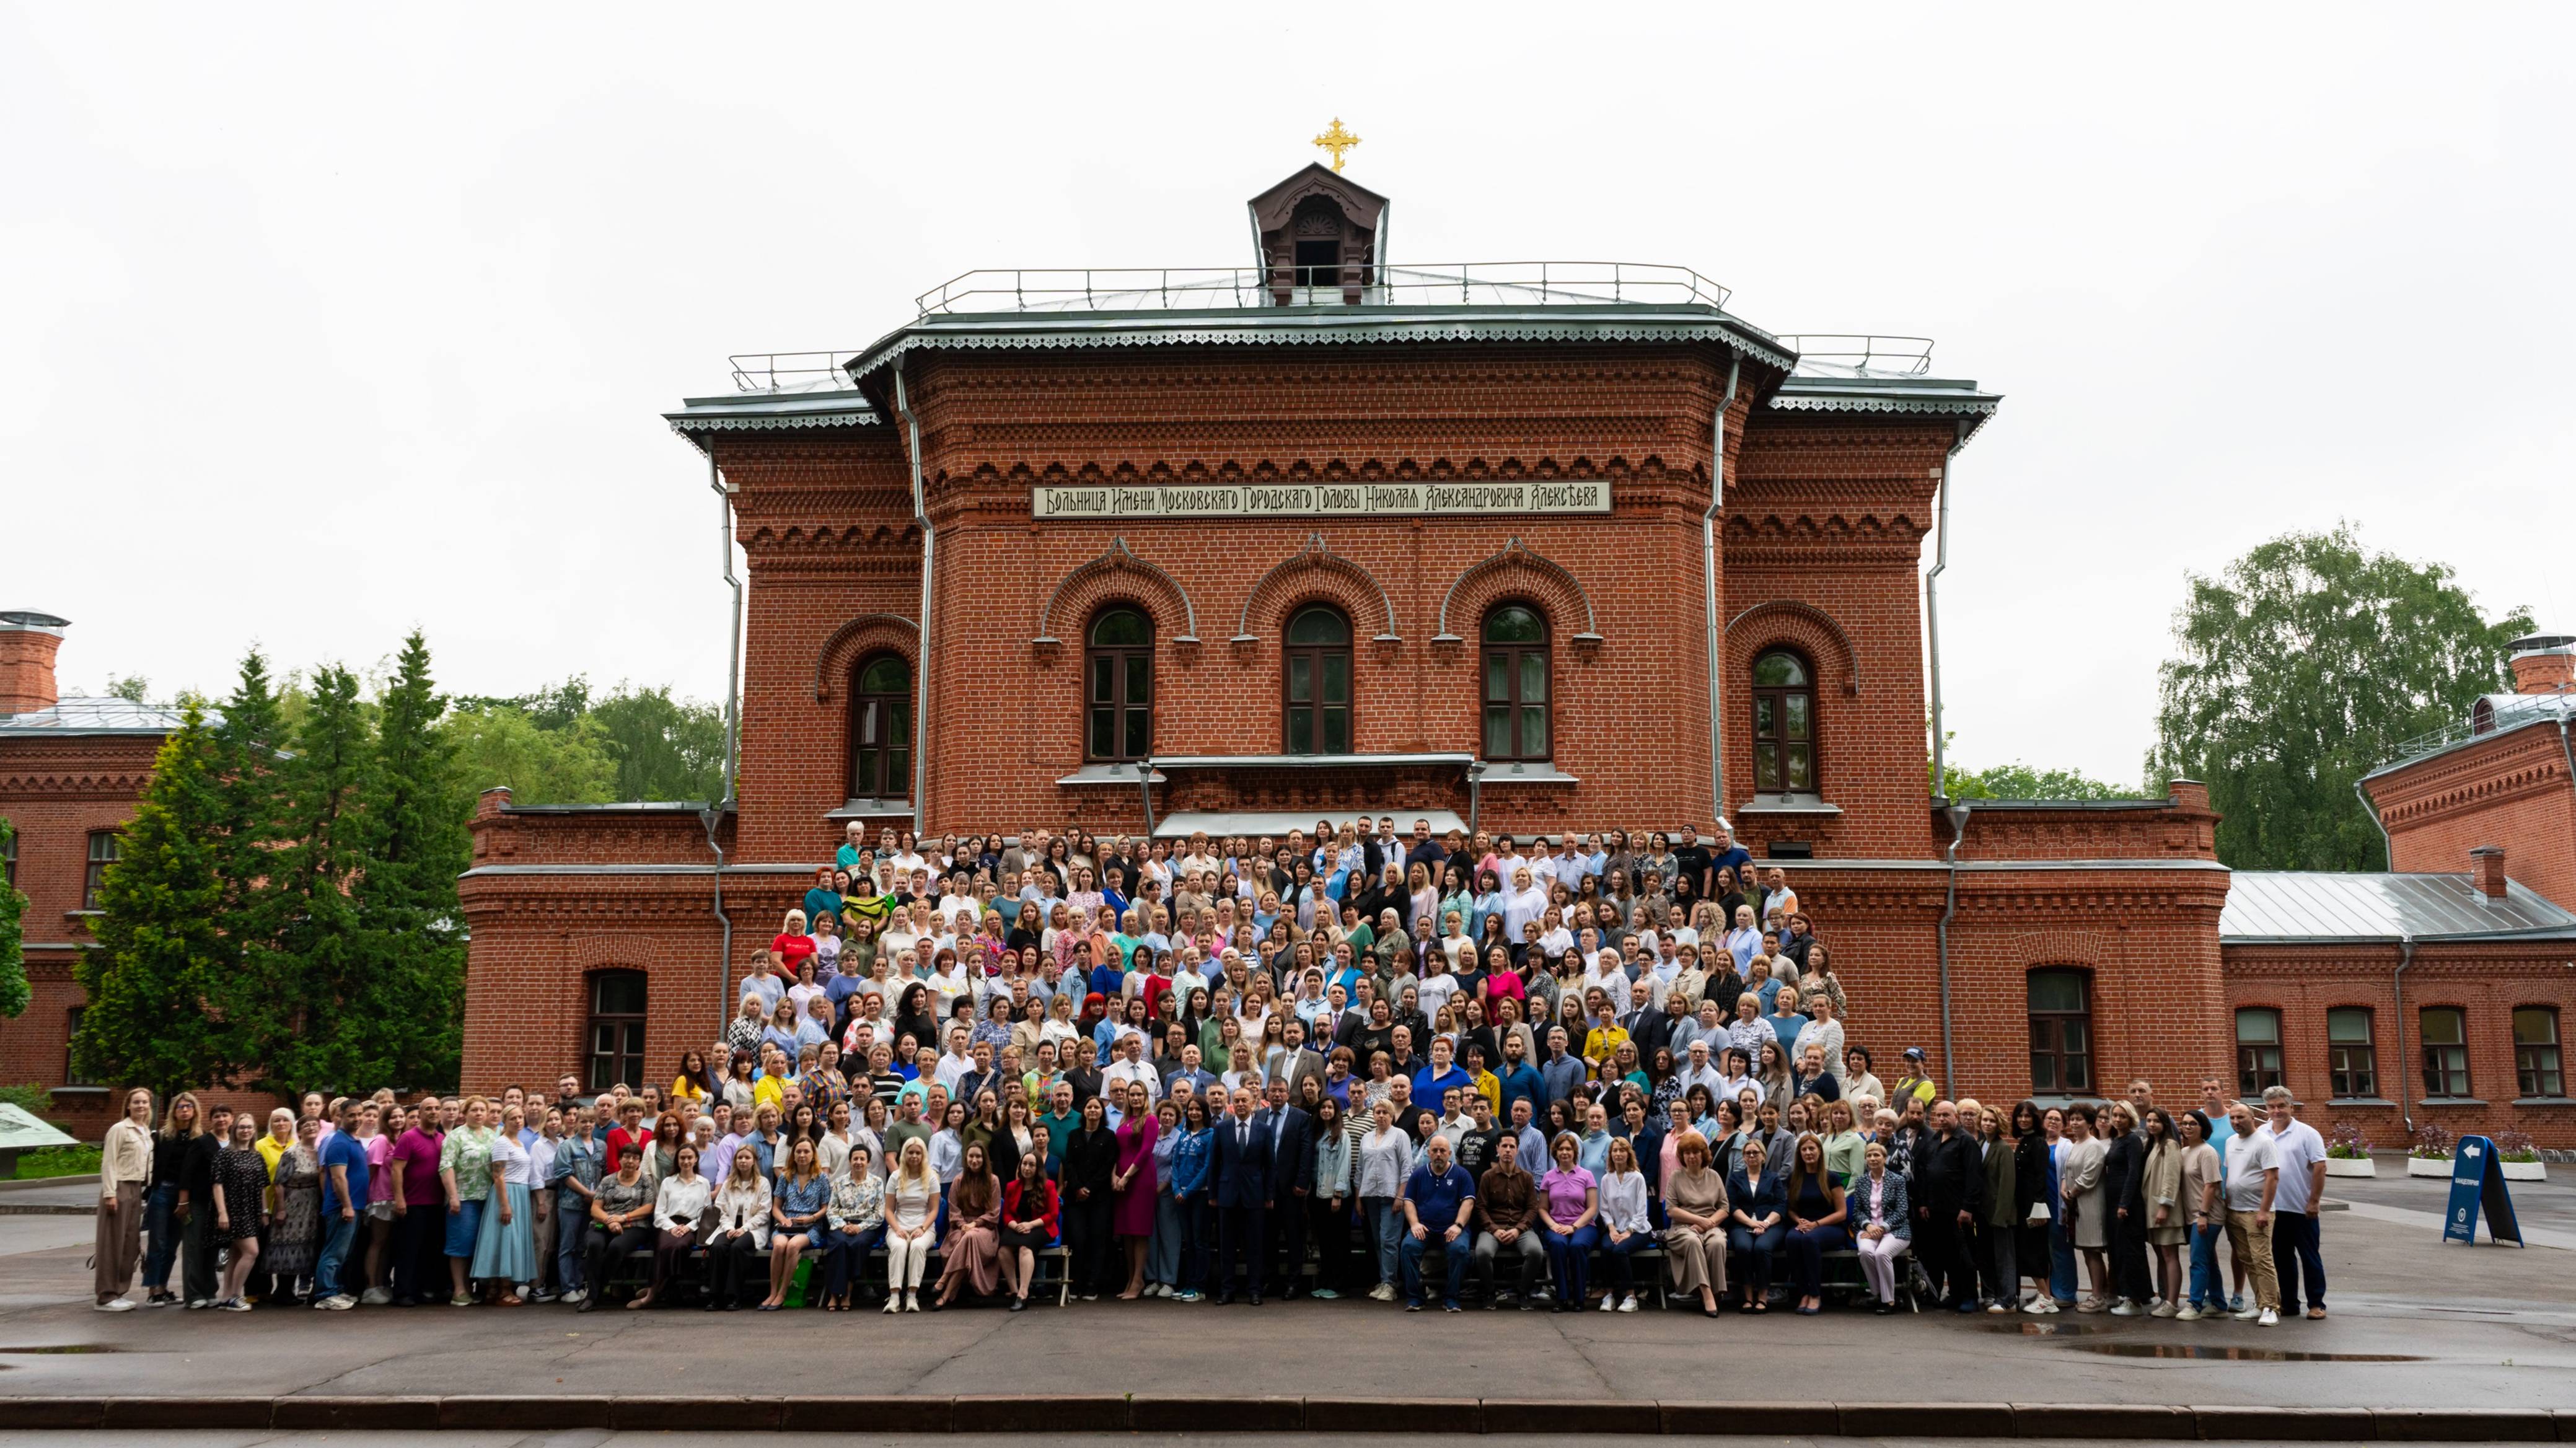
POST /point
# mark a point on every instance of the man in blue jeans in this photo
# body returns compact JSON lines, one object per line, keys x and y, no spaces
{"x":344,"y":1204}
{"x":1436,"y":1199}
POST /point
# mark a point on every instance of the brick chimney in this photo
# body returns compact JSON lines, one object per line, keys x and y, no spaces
{"x":2544,"y":663}
{"x":2486,"y":869}
{"x":27,"y":643}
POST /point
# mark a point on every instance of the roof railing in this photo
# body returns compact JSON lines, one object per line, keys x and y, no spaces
{"x":790,"y":371}
{"x":1469,"y":284}
{"x":1862,"y":352}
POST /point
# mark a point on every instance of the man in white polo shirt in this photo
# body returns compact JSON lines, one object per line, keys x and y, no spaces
{"x":2253,"y":1179}
{"x":2294,"y":1226}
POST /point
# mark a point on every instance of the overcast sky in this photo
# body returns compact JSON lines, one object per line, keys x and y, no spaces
{"x":316,"y":325}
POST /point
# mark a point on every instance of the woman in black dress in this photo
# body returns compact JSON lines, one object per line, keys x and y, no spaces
{"x":1090,"y":1160}
{"x":241,"y":1202}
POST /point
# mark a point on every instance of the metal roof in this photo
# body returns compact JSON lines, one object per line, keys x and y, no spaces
{"x":93,"y":716}
{"x":2490,"y":715}
{"x":835,"y":406}
{"x":33,"y":620}
{"x":1275,"y":823}
{"x":2314,"y":906}
{"x":1823,"y":388}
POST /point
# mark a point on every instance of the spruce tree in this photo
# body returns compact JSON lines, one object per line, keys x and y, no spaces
{"x":247,"y":830}
{"x":408,"y":919}
{"x":163,"y":1011}
{"x":14,"y":992}
{"x":308,"y":961}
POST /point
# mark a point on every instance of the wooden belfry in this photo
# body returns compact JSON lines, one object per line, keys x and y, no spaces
{"x":1318,"y":235}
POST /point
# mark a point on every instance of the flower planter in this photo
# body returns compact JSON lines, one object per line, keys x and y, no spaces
{"x":2525,"y":1171}
{"x":2351,"y":1166}
{"x":2427,"y":1166}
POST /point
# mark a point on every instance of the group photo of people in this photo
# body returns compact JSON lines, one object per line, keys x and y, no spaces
{"x":1597,"y":1072}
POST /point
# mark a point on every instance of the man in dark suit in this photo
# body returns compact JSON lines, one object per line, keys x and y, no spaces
{"x":1949,"y":1194}
{"x":1300,"y":1063}
{"x":1292,"y":1177}
{"x":1239,"y":1172}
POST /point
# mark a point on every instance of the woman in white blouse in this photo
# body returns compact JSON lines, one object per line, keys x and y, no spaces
{"x":912,"y":1226}
{"x":679,"y":1207}
{"x":739,"y":1232}
{"x":1624,"y":1227}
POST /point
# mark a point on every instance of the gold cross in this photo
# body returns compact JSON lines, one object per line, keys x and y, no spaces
{"x":1337,"y":141}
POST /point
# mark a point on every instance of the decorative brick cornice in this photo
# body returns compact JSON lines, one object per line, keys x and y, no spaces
{"x":1519,"y":569}
{"x":1116,"y":574}
{"x":1315,"y":571}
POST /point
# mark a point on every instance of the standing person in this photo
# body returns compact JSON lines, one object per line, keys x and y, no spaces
{"x":2167,"y":1228}
{"x":2034,"y":1204}
{"x":240,"y":1196}
{"x":1884,"y":1228}
{"x":1163,"y":1255}
{"x":2124,"y":1179}
{"x":1999,"y":1226}
{"x":1133,"y":1186}
{"x":1089,"y":1180}
{"x":1949,"y":1190}
{"x":2295,"y":1252}
{"x":344,"y":1204}
{"x":2203,"y":1213}
{"x":912,"y":1224}
{"x":465,"y":1175}
{"x":2088,"y":1204}
{"x":197,"y":1205}
{"x":1191,"y":1156}
{"x":1240,"y":1168}
{"x":2253,"y":1184}
{"x":419,"y":1223}
{"x":380,"y":1124}
{"x":505,"y":1247}
{"x":574,"y":1177}
{"x":1385,"y":1160}
{"x":295,"y":1221}
{"x":1291,"y":1178}
{"x":125,"y":1168}
{"x":182,"y":1123}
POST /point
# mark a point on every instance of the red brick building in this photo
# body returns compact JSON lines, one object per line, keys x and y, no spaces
{"x":1531,"y":548}
{"x":70,"y":771}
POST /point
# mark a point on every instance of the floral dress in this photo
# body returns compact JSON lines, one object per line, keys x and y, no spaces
{"x":295,"y":1237}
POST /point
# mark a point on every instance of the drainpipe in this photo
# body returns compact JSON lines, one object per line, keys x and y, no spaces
{"x":2567,"y":746}
{"x":1932,"y":619}
{"x":2387,"y":850}
{"x":2405,"y":958}
{"x":1708,"y":584}
{"x":1475,"y":794}
{"x":920,"y":675}
{"x":714,"y":813}
{"x":1145,"y":783}
{"x":1949,"y":907}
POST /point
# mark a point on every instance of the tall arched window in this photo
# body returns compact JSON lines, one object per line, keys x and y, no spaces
{"x":881,"y":728}
{"x":1516,"y":684}
{"x":1784,"y":724}
{"x":1118,"y":663}
{"x":1317,"y":695}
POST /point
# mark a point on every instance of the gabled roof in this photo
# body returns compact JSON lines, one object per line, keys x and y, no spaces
{"x":1271,"y":209}
{"x":2316,"y":906}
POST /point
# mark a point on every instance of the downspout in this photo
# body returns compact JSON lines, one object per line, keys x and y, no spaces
{"x":715,"y":812}
{"x":2405,"y":958}
{"x":1144,"y":782}
{"x":1932,"y":620}
{"x":1708,"y":585}
{"x":921,"y":674}
{"x":1949,"y":907}
{"x":2388,"y":850}
{"x":2567,"y":746}
{"x":1475,"y":794}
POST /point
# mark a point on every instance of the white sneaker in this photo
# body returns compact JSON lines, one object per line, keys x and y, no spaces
{"x":2269,"y":1318}
{"x":116,"y":1304}
{"x":1997,"y":1307}
{"x":2125,"y":1308}
{"x":576,"y":1297}
{"x":1609,"y":1302}
{"x":340,"y":1303}
{"x":2162,"y":1309}
{"x":1628,"y":1304}
{"x":1382,"y":1293}
{"x":894,"y":1302}
{"x":2037,"y":1306}
{"x":2188,"y":1314}
{"x":2249,"y":1314}
{"x":376,"y":1296}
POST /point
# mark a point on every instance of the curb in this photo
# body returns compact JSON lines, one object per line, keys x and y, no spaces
{"x":990,"y":1413}
{"x":37,"y":1184}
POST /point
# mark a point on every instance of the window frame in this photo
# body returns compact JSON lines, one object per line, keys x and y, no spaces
{"x":1778,"y":695}
{"x":2352,"y":1067}
{"x":2451,"y":1068}
{"x":2531,"y":1077}
{"x":2251,"y":1070}
{"x":71,"y":1064}
{"x":626,"y":1048}
{"x":9,"y":858}
{"x":1319,"y":657}
{"x":1515,"y":656}
{"x":892,"y":765}
{"x":2053,"y":1046}
{"x":95,"y":873}
{"x":1123,"y":660}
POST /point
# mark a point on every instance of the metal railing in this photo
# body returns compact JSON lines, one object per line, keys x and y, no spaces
{"x":1469,"y":284}
{"x":790,"y":371}
{"x":1861,"y":353}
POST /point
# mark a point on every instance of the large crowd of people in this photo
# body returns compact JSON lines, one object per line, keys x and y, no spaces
{"x":1357,"y":1063}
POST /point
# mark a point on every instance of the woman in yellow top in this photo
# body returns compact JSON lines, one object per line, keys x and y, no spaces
{"x":1601,"y":1044}
{"x":690,"y":1084}
{"x":280,"y":1139}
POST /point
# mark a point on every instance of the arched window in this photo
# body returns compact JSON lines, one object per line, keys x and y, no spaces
{"x":1516,"y":684}
{"x":1118,"y":663}
{"x":1317,"y":677}
{"x":616,"y":1028}
{"x":1784,"y":724}
{"x":881,"y":728}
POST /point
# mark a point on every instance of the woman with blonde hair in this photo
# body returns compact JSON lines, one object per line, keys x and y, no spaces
{"x":240,"y":1199}
{"x":740,"y":1233}
{"x":182,"y":1123}
{"x":465,"y":1174}
{"x":505,"y":1250}
{"x":796,"y":1211}
{"x":125,"y":1167}
{"x":912,"y":1225}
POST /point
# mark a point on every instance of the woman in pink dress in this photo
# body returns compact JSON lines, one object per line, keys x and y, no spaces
{"x":1134,"y":1185}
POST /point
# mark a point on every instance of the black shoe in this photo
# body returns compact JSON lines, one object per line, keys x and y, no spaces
{"x":710,"y":1305}
{"x":733,"y":1307}
{"x":1225,"y":1300}
{"x":1490,"y":1304}
{"x":1019,"y":1304}
{"x":1256,"y":1299}
{"x":1883,"y":1309}
{"x":587,"y":1304}
{"x":934,"y":1305}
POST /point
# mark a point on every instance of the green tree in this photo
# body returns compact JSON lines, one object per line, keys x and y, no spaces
{"x":14,"y":992}
{"x":2301,"y":667}
{"x":2020,"y":781}
{"x":666,"y":748}
{"x":248,"y":827}
{"x":164,"y":1008}
{"x":309,"y":961}
{"x":498,"y":744}
{"x":411,"y":1003}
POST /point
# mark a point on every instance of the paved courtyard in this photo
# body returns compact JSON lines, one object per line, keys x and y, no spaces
{"x":2415,"y":1324}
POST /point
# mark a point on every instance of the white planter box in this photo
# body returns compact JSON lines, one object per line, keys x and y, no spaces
{"x":2417,"y":1166}
{"x":2525,"y":1171}
{"x":2351,"y":1166}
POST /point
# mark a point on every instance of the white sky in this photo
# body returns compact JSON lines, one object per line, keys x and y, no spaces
{"x":318,"y":324}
